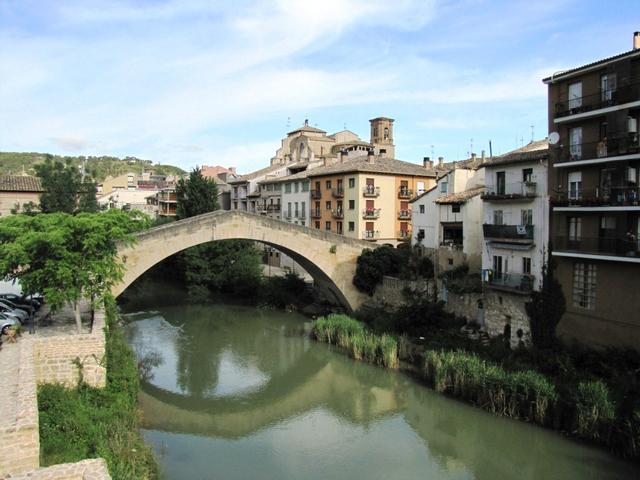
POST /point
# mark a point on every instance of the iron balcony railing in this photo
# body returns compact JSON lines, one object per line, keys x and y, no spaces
{"x":316,"y":213}
{"x":510,"y":191}
{"x":405,"y":192}
{"x":521,"y":282}
{"x":611,"y":147}
{"x":404,"y":234}
{"x":371,"y":213}
{"x":597,"y":197}
{"x":621,"y":246}
{"x":404,"y":214}
{"x":371,"y":191}
{"x":369,"y":234}
{"x":273,"y":207}
{"x":456,"y":244}
{"x":338,"y":213}
{"x":316,"y":194}
{"x":338,"y":192}
{"x":601,"y":99}
{"x":508,"y":232}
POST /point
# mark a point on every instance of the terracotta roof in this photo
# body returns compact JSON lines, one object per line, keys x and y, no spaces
{"x":306,"y":128}
{"x":17,"y":183}
{"x":379,"y":165}
{"x":536,"y":150}
{"x":559,"y":76}
{"x":256,"y":174}
{"x":460,"y":197}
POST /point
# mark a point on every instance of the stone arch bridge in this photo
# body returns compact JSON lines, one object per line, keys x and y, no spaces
{"x":328,"y":257}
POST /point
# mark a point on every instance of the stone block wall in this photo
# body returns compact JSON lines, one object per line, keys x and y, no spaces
{"x":502,"y":308}
{"x":390,"y":290}
{"x":95,"y":469}
{"x":55,"y":357}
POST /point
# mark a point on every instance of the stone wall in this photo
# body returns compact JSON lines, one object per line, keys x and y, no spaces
{"x":95,"y":469}
{"x":390,"y":291}
{"x":55,"y":357}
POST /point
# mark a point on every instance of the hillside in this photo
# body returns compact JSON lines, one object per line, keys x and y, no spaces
{"x":13,"y":163}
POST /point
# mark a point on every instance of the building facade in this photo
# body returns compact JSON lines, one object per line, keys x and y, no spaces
{"x":594,"y":111}
{"x":17,"y":190}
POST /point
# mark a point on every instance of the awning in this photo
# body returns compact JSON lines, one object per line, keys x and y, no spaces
{"x":511,"y":246}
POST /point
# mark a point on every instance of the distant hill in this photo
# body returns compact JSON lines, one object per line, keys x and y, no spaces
{"x":14,"y":163}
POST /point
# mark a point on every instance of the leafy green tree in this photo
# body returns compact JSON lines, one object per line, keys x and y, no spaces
{"x":65,"y":190}
{"x":196,"y":195}
{"x":66,"y":257}
{"x":372,"y":265}
{"x":546,"y":309}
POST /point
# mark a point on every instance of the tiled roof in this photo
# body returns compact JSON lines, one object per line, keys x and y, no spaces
{"x":423,"y":193}
{"x":460,"y":197}
{"x":306,"y":128}
{"x":536,"y":150}
{"x":256,"y":174}
{"x":16,"y":183}
{"x":560,"y":75}
{"x":379,"y":165}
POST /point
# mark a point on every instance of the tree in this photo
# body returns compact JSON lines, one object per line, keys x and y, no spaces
{"x":197,"y":195}
{"x":546,"y":309}
{"x":372,"y":265}
{"x":65,"y":257}
{"x":65,"y":189}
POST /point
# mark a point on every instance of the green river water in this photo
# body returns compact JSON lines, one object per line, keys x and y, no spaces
{"x":234,"y":392}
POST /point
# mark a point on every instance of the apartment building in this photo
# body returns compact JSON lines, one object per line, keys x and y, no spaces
{"x":594,"y":177}
{"x":367,"y":197}
{"x":445,"y":217}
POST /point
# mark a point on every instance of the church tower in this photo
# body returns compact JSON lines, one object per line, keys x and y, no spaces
{"x":382,"y":136}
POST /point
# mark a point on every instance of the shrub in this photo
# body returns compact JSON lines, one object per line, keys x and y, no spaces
{"x":372,"y":265}
{"x":594,"y":409}
{"x":545,"y":310}
{"x":287,"y":290}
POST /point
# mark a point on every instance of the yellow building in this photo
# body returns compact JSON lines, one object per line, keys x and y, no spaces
{"x":367,"y":197}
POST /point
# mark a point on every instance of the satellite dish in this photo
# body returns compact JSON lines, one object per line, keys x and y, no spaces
{"x":554,"y":138}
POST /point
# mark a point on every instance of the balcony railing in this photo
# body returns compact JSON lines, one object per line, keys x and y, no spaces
{"x":611,"y":147}
{"x":623,"y":246}
{"x":371,"y":213}
{"x":337,"y":192}
{"x":273,"y":208}
{"x":510,"y":191}
{"x":316,"y":213}
{"x":598,"y":197}
{"x":404,"y":214}
{"x":520,"y":282}
{"x":316,"y":194}
{"x":455,"y":244}
{"x":524,"y":233}
{"x":370,"y":234}
{"x":404,"y":192}
{"x":371,"y":191}
{"x":402,"y":234}
{"x":338,"y":213}
{"x":601,"y":99}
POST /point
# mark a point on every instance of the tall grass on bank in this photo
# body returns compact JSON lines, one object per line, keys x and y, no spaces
{"x":594,"y":409}
{"x":88,"y":422}
{"x":350,"y":334}
{"x":525,"y":394}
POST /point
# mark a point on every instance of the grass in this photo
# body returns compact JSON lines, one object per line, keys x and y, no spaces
{"x":88,"y":422}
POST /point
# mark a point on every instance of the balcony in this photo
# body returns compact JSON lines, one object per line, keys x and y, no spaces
{"x":517,"y":191}
{"x":508,"y":233}
{"x":599,"y":197}
{"x":454,"y":244}
{"x":596,"y":152}
{"x":316,"y":213}
{"x":622,"y":246}
{"x":337,"y":192}
{"x":404,"y":192}
{"x":316,"y":194}
{"x":404,"y":234}
{"x":404,"y":214}
{"x":514,"y":282}
{"x":370,"y":234}
{"x":371,"y":191}
{"x":273,"y":208}
{"x":597,"y":101}
{"x":338,"y":213}
{"x":371,"y":213}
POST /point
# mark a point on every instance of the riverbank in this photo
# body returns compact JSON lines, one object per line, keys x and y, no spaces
{"x":584,"y":409}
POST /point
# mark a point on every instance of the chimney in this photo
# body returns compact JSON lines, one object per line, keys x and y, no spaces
{"x":370,"y":156}
{"x":473,"y":157}
{"x":483,"y":157}
{"x":636,"y":40}
{"x":440,"y":162}
{"x":426,"y":163}
{"x":343,"y":155}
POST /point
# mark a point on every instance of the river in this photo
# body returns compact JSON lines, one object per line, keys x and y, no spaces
{"x":234,"y":392}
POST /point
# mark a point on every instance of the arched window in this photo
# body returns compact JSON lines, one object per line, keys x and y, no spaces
{"x":386,"y":133}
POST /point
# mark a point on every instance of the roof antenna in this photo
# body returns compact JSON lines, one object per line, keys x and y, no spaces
{"x":345,"y":126}
{"x":288,"y":123}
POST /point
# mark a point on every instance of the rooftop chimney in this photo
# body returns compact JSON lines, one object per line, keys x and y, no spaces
{"x":636,"y":40}
{"x":370,"y":156}
{"x":343,"y":155}
{"x":473,"y":157}
{"x":427,"y":163}
{"x":483,"y":157}
{"x":440,"y":162}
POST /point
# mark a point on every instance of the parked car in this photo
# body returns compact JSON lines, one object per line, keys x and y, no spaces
{"x":36,"y":301}
{"x":7,"y":322}
{"x":18,"y":306}
{"x":13,"y":312}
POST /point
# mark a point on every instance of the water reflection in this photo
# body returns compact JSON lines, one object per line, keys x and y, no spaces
{"x":230,"y":387}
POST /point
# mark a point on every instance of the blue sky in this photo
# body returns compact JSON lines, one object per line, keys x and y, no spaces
{"x":194,"y":82}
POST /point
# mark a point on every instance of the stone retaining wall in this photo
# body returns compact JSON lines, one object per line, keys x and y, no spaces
{"x":390,"y":291}
{"x":95,"y":469}
{"x":55,"y":357}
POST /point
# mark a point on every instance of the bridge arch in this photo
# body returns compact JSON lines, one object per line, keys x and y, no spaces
{"x":329,"y":258}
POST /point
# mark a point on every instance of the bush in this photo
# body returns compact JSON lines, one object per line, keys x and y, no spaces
{"x":595,"y":410}
{"x":287,"y":290}
{"x":372,"y":265}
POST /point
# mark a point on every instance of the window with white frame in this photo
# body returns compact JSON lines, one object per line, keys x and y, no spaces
{"x":575,"y":228}
{"x":421,"y":208}
{"x":575,"y":143}
{"x":526,"y":217}
{"x":584,"y":285}
{"x":575,"y":95}
{"x":498,"y":217}
{"x":575,"y":185}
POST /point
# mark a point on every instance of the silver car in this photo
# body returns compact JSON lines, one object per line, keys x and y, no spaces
{"x":7,"y":322}
{"x":14,"y":312}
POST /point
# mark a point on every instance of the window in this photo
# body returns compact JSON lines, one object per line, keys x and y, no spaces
{"x":584,"y":285}
{"x":575,"y":95}
{"x":575,"y":228}
{"x":328,"y":205}
{"x":339,"y":228}
{"x":575,"y":185}
{"x":527,"y":174}
{"x":501,"y":182}
{"x":421,"y":207}
{"x":303,"y":212}
{"x":443,"y":187}
{"x":296,"y":187}
{"x":352,"y":183}
{"x":327,"y":226}
{"x":305,"y":186}
{"x":497,"y":217}
{"x":575,"y":143}
{"x":608,"y":87}
{"x":455,"y":208}
{"x":296,"y":209}
{"x":269,"y":187}
{"x":317,"y":225}
{"x":328,"y":184}
{"x":526,"y":265}
{"x":526,"y":217}
{"x":352,"y":204}
{"x":352,"y":226}
{"x":289,"y":209}
{"x":287,"y":188}
{"x":497,"y":265}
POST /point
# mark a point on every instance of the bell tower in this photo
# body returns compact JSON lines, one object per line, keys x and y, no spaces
{"x":382,"y":136}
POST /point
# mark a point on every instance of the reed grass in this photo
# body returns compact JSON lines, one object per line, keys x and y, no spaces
{"x":595,"y":411}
